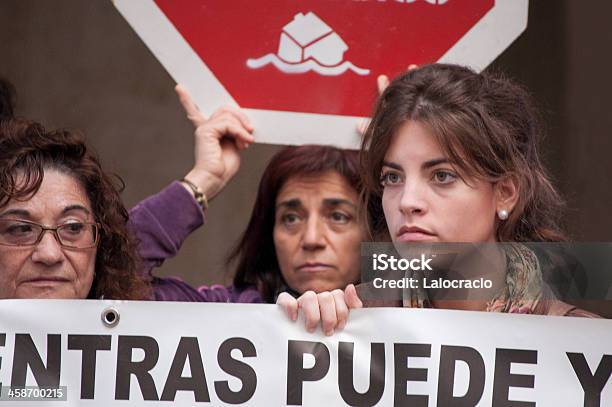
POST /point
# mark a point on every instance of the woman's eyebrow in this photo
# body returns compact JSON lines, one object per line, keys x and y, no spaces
{"x":426,"y":164}
{"x":26,"y":214}
{"x":333,"y":202}
{"x":15,"y":212}
{"x":290,"y":203}
{"x":434,"y":162}
{"x":76,"y":208}
{"x":392,"y":165}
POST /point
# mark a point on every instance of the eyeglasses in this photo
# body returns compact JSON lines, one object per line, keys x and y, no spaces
{"x":72,"y":235}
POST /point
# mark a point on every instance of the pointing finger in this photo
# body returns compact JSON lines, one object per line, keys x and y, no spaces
{"x":193,"y":113}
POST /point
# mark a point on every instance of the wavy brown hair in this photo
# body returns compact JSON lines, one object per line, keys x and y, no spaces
{"x":27,"y":150}
{"x":486,"y":125}
{"x":255,"y":254}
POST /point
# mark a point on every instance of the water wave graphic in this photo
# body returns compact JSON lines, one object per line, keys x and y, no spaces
{"x":306,"y":66}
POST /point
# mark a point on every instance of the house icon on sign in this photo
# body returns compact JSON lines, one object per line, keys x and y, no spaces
{"x":307,"y":36}
{"x":307,"y":44}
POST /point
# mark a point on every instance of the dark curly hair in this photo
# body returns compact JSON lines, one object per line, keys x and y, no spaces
{"x":27,"y":150}
{"x":255,"y":254}
{"x":488,"y":127}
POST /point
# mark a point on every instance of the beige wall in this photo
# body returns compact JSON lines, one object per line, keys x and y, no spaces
{"x":77,"y":63}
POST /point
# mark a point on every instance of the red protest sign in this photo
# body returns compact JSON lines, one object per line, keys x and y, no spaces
{"x":314,"y":63}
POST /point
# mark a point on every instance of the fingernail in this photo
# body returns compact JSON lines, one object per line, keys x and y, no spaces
{"x":329,"y":333}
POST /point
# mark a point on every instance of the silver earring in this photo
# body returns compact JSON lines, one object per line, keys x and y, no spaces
{"x":503,"y":214}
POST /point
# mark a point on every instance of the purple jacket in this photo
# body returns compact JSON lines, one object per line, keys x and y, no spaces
{"x":161,"y":223}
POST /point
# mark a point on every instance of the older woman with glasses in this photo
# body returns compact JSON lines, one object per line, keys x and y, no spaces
{"x":73,"y":235}
{"x":63,"y":227}
{"x":64,"y":231}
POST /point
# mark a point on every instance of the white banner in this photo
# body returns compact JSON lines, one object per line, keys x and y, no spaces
{"x":185,"y":354}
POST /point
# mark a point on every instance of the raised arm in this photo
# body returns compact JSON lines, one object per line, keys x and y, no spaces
{"x":163,"y":221}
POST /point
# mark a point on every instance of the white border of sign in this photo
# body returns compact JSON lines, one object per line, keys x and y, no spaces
{"x":477,"y":48}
